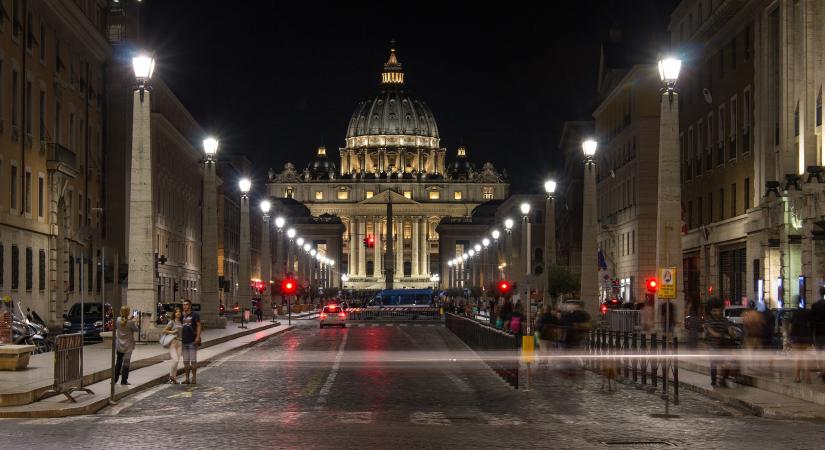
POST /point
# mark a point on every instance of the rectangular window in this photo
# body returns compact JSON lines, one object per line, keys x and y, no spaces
{"x":29,"y":269}
{"x":733,"y":128}
{"x":710,"y":207}
{"x":434,"y":195}
{"x":15,"y":99}
{"x":42,"y":115}
{"x":343,"y":195}
{"x":457,"y":195}
{"x":700,"y":144}
{"x":42,"y":42}
{"x":720,"y":133}
{"x":487,"y":192}
{"x":733,"y":200}
{"x":319,"y":195}
{"x":71,"y":273}
{"x":709,"y":144}
{"x":13,"y":188}
{"x":29,"y":108}
{"x":15,"y":267}
{"x":41,"y":270}
{"x":733,"y":53}
{"x":722,"y":204}
{"x":747,"y":193}
{"x":290,"y":192}
{"x":746,"y":121}
{"x":408,"y":194}
{"x":27,"y":198}
{"x":57,"y":128}
{"x":690,"y":214}
{"x":41,"y":195}
{"x":79,"y":209}
{"x":369,"y":194}
{"x":71,"y":143}
{"x":700,"y":210}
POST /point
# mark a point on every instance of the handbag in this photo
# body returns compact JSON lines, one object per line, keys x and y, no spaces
{"x":166,"y":339}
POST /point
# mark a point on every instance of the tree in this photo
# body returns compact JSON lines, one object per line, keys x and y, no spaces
{"x":560,"y":281}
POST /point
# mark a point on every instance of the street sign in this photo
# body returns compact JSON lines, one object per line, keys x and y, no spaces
{"x":667,"y":282}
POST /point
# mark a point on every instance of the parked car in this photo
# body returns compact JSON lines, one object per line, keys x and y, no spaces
{"x":96,"y":318}
{"x":333,"y":315}
{"x":735,"y":314}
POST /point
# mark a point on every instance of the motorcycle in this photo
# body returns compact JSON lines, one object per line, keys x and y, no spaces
{"x":30,"y":329}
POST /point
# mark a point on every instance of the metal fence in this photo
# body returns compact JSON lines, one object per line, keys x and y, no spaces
{"x":68,"y":366}
{"x":629,"y":320}
{"x":394,"y":314}
{"x":636,"y":357}
{"x":497,"y":348}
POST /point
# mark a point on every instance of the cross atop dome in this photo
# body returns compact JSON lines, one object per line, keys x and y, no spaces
{"x":393,"y":74}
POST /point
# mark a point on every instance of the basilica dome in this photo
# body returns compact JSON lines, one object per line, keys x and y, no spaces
{"x":394,"y":117}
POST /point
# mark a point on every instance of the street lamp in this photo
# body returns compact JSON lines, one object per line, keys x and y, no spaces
{"x":549,"y":230}
{"x":526,"y":254}
{"x":495,"y":234}
{"x":300,"y":242}
{"x":265,"y":207}
{"x":141,"y":294}
{"x":266,"y":258}
{"x":210,"y":300}
{"x":244,"y":293}
{"x":508,"y":224}
{"x":589,"y":288}
{"x":279,"y":223}
{"x":307,"y":247}
{"x":669,"y":71}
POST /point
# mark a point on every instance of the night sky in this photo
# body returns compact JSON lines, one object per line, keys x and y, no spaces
{"x":275,"y":81}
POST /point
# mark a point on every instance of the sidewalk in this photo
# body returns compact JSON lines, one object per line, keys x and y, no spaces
{"x":27,"y":386}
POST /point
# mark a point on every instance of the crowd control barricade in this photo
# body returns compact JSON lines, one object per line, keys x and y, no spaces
{"x":68,"y":366}
{"x":394,"y":313}
{"x":497,"y":348}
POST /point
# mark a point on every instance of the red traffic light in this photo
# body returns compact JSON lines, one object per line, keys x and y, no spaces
{"x":603,"y":308}
{"x":288,"y":286}
{"x":504,"y":287}
{"x":369,"y":241}
{"x":651,"y":285}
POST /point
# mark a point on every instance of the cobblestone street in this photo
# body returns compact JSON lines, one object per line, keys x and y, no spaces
{"x":396,"y":386}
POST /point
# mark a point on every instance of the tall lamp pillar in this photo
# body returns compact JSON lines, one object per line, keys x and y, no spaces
{"x":589,"y":282}
{"x":140,"y":294}
{"x":266,"y":259}
{"x":669,"y":204}
{"x":244,"y":292}
{"x":210,"y":300}
{"x":549,"y":233}
{"x":525,"y":238}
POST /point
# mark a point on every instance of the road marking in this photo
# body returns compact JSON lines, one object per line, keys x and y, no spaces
{"x":429,"y":418}
{"x":185,"y":394}
{"x":322,"y":394}
{"x":503,"y":420}
{"x":374,"y":324}
{"x":403,"y":324}
{"x":356,"y":417}
{"x":313,"y":383}
{"x":125,"y":403}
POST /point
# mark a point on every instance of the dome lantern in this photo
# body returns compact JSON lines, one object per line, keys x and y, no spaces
{"x":392,"y":74}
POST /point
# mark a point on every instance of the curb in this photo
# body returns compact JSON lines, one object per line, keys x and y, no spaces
{"x":97,"y":405}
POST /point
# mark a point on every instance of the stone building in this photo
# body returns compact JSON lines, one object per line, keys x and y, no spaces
{"x":568,"y":196}
{"x":52,"y":56}
{"x":392,"y":153}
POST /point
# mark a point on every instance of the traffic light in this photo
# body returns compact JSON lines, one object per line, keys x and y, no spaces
{"x":369,"y":241}
{"x":505,"y":287}
{"x":289,"y":286}
{"x":603,"y":308}
{"x":651,"y":285}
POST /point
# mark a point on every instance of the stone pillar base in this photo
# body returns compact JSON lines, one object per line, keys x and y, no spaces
{"x":213,"y":321}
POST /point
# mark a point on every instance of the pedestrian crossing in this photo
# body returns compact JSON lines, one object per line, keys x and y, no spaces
{"x":390,"y":324}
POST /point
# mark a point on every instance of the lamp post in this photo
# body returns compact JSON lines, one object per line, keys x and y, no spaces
{"x":266,"y":259}
{"x":669,"y":196}
{"x":525,"y":239}
{"x":508,"y":245}
{"x":277,"y":269}
{"x":495,"y":234}
{"x":471,"y":265}
{"x":140,"y":294}
{"x":549,"y":233}
{"x":244,"y":292}
{"x":485,"y":260}
{"x":589,"y":287}
{"x":450,"y":274}
{"x":210,"y":300}
{"x":288,"y":265}
{"x":307,"y":270}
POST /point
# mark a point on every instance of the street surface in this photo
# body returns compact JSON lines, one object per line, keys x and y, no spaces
{"x":401,"y":386}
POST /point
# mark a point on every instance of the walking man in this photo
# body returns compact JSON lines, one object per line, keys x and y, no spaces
{"x":190,"y":339}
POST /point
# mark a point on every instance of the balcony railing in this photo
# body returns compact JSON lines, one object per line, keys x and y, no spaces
{"x":61,"y":154}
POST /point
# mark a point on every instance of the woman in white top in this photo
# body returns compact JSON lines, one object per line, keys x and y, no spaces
{"x":174,"y":327}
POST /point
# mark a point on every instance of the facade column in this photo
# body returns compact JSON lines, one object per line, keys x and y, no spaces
{"x":399,"y":249}
{"x":362,"y":257}
{"x":414,"y":259}
{"x":424,"y":252}
{"x":266,"y":259}
{"x":351,"y":258}
{"x":140,"y":293}
{"x":244,"y":259}
{"x":378,"y":263}
{"x":589,"y":281}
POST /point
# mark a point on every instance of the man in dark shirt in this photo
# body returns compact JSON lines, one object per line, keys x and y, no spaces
{"x":719,"y":339}
{"x":191,"y":339}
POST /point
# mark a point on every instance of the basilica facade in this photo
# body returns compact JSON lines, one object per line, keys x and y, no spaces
{"x":392,"y":154}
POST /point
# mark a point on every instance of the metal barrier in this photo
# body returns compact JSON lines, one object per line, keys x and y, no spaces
{"x":638,"y":357}
{"x":498,"y":349}
{"x":391,"y":313}
{"x":629,"y":320}
{"x":68,"y":366}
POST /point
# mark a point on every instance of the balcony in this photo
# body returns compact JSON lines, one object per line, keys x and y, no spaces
{"x":61,"y":159}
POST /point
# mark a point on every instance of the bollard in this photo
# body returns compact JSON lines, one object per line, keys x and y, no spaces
{"x":654,"y":363}
{"x":675,"y":371}
{"x":643,"y":359}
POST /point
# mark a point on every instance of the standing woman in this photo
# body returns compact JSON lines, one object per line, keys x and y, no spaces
{"x":174,"y":327}
{"x":126,"y":327}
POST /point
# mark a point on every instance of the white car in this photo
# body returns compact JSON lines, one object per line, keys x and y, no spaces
{"x":735,"y":314}
{"x":333,"y":315}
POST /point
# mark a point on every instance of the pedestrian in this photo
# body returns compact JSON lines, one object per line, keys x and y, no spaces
{"x":545,"y":331}
{"x":190,"y":340}
{"x":801,"y":337}
{"x":818,"y":324}
{"x":125,"y":338}
{"x":502,"y":322}
{"x":720,"y":339}
{"x":753,"y":326}
{"x":259,"y":312}
{"x":174,"y":327}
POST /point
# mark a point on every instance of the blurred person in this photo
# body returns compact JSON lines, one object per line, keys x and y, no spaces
{"x":502,"y":322}
{"x":125,"y":338}
{"x":190,"y":340}
{"x":720,"y":339}
{"x":259,"y":312}
{"x":801,"y":337}
{"x":753,"y":325}
{"x":818,"y":324}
